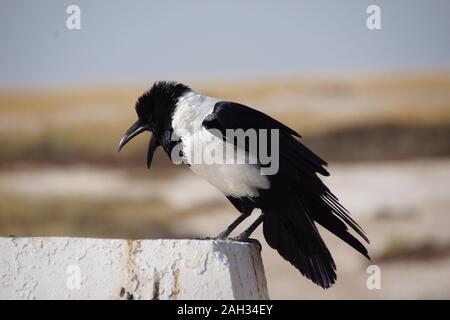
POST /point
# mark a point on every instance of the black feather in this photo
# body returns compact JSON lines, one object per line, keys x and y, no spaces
{"x":296,"y":199}
{"x":291,"y":232}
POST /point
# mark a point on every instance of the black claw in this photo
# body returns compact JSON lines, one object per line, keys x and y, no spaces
{"x":243,"y":238}
{"x":203,"y":238}
{"x":219,"y":237}
{"x":240,"y":238}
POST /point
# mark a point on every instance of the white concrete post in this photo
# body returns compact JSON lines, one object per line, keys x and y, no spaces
{"x":84,"y":268}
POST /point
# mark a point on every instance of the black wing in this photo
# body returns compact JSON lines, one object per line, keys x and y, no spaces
{"x":230,"y":115}
{"x":320,"y":204}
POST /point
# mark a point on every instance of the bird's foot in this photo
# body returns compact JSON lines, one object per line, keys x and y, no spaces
{"x":239,"y":238}
{"x":245,"y":238}
{"x":218,"y":237}
{"x":222,"y":236}
{"x":204,"y":238}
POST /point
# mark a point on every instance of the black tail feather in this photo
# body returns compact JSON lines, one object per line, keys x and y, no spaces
{"x":291,"y":230}
{"x":322,"y":213}
{"x":293,"y":234}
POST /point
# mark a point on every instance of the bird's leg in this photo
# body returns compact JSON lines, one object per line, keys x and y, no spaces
{"x":244,"y":215}
{"x":246,"y":234}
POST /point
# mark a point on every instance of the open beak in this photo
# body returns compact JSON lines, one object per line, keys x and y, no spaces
{"x":152,"y":145}
{"x":136,"y":129}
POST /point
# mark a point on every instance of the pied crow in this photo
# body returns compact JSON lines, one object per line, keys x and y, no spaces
{"x":292,"y":200}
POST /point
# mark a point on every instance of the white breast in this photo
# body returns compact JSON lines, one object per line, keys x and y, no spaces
{"x":238,"y":180}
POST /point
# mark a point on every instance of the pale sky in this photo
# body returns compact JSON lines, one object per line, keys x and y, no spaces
{"x":128,"y":42}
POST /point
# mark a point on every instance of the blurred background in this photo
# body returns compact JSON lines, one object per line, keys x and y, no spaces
{"x":374,"y":103}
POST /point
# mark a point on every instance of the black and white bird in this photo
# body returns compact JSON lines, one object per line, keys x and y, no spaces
{"x":292,"y":201}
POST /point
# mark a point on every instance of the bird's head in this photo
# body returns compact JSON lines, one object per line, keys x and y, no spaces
{"x":154,"y":109}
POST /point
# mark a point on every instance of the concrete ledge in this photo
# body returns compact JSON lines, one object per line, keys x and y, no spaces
{"x":85,"y":268}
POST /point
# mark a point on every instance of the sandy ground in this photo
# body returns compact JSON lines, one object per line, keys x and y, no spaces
{"x":401,"y":205}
